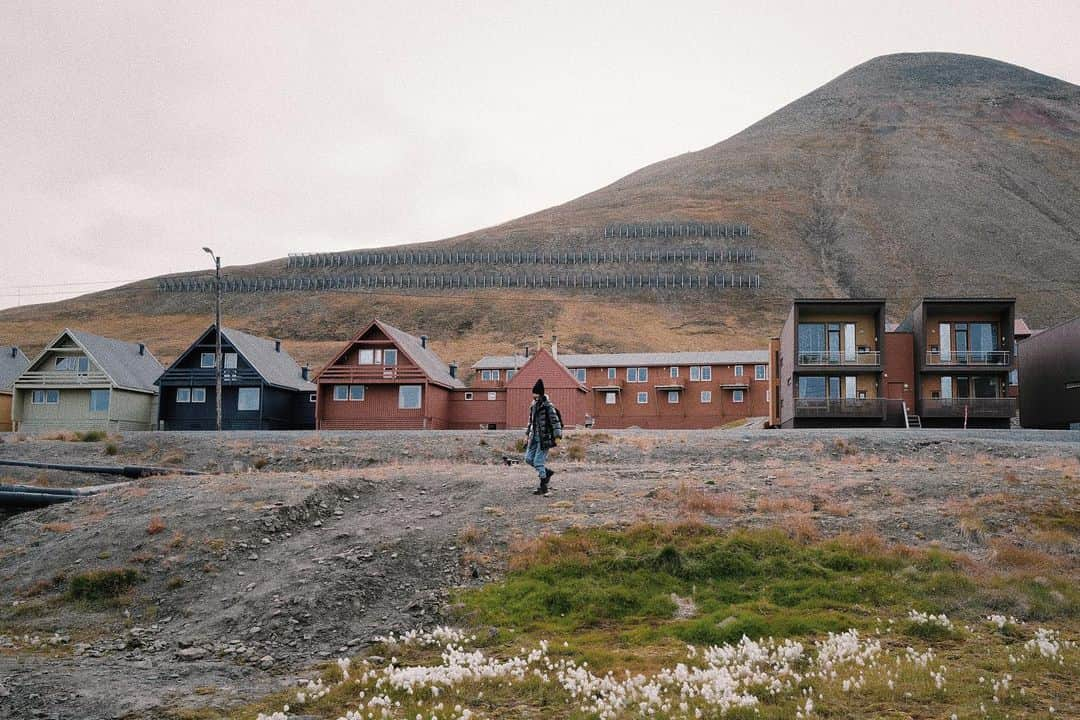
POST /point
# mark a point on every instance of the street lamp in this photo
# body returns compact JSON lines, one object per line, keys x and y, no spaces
{"x":217,"y":328}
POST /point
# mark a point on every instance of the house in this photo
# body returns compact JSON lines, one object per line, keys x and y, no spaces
{"x":1050,"y":378}
{"x":262,"y":387}
{"x":12,"y":364}
{"x":963,"y":357}
{"x":648,"y":390}
{"x":385,"y":379}
{"x":85,"y":382}
{"x":830,"y":370}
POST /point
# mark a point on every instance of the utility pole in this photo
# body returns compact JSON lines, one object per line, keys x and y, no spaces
{"x":217,"y":328}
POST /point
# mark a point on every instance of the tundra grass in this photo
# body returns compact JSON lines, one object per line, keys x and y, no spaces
{"x":602,"y":601}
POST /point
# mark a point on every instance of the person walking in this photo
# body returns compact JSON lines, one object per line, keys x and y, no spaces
{"x":543,"y":432}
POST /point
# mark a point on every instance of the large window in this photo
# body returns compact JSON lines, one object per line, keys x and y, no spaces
{"x":409,"y":397}
{"x":390,"y":357}
{"x":80,"y":365}
{"x":761,"y":372}
{"x":700,"y":373}
{"x":813,"y":387}
{"x":370,"y":356}
{"x":247,"y":399}
{"x":206,"y":360}
{"x":489,"y":375}
{"x":637,"y":374}
{"x":45,"y":397}
{"x":811,"y":342}
{"x":99,"y":401}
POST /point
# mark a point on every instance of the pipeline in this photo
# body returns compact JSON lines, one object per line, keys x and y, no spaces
{"x":128,"y":471}
{"x":23,"y":497}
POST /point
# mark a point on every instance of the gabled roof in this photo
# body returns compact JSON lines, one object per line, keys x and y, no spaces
{"x":535,"y":367}
{"x":719,"y":357}
{"x":432,"y":365}
{"x":276,"y":367}
{"x":13,"y":363}
{"x":122,"y":362}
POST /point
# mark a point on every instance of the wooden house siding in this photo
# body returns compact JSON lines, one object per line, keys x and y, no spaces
{"x":478,"y":413}
{"x":561,"y":387}
{"x":127,"y":411}
{"x":5,"y":412}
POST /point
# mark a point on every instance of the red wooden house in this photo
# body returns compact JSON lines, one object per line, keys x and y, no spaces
{"x":385,"y":379}
{"x":565,"y":391}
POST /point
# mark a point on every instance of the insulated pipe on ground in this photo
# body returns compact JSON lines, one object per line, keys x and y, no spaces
{"x":130,"y":471}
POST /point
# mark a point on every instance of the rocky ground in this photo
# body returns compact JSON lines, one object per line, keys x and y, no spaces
{"x":297,"y":547}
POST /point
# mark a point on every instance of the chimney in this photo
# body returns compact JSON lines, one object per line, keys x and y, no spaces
{"x":142,"y":349}
{"x":277,"y":346}
{"x":555,"y":346}
{"x":423,"y":341}
{"x":526,"y":352}
{"x":305,"y":372}
{"x":14,"y":351}
{"x":539,"y":343}
{"x":453,"y":369}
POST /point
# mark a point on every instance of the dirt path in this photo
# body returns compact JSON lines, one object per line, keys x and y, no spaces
{"x":250,"y":576}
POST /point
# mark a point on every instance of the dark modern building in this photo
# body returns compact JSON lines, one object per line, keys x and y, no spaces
{"x":263,"y":388}
{"x":1050,"y":378}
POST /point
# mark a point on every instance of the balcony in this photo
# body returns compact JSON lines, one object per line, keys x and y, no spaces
{"x":62,"y":379}
{"x":975,"y":407}
{"x":840,"y":407}
{"x":372,"y":374}
{"x":838,"y":357}
{"x":969,"y":358}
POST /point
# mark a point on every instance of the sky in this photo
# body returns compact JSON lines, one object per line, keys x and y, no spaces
{"x":132,"y":134}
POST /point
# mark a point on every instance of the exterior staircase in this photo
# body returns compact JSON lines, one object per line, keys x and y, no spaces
{"x":911,"y":420}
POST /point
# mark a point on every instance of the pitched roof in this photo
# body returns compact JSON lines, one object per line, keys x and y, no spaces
{"x":718,"y":357}
{"x":13,"y":363}
{"x":545,"y":365}
{"x":120,"y":360}
{"x":428,"y":361}
{"x":276,"y":366}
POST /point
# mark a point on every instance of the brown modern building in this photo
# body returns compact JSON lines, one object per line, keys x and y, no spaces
{"x":831,"y":370}
{"x":963,"y":357}
{"x":679,"y":390}
{"x":1050,"y":378}
{"x":385,"y":379}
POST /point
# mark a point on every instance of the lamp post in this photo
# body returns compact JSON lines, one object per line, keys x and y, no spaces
{"x":217,"y":328}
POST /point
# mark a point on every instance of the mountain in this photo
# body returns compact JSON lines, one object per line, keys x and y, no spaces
{"x":908,"y":175}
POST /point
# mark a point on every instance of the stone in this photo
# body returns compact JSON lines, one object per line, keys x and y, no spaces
{"x":266,"y":662}
{"x":191,"y":653}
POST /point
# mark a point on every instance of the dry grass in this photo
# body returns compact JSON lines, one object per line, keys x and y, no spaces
{"x":696,"y":500}
{"x":471,"y":535}
{"x":57,"y":527}
{"x":1010,"y":555}
{"x":773,"y":504}
{"x":175,"y":457}
{"x":155,"y":526}
{"x":178,"y":540}
{"x":1012,"y":478}
{"x":546,"y":549}
{"x":838,"y":509}
{"x":802,"y":529}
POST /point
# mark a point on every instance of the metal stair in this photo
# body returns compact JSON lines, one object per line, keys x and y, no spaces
{"x":911,"y":420}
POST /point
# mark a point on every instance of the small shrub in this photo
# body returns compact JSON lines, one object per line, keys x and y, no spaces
{"x":111,"y":449}
{"x":783,"y":504}
{"x":106,"y":584}
{"x":173,"y":458}
{"x":177,"y":540}
{"x":57,"y":527}
{"x":90,"y":436}
{"x":471,"y":535}
{"x":155,"y":525}
{"x":575,"y":451}
{"x":175,"y":582}
{"x":519,"y":445}
{"x":259,"y":463}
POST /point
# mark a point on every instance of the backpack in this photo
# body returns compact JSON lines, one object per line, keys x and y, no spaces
{"x":558,"y":415}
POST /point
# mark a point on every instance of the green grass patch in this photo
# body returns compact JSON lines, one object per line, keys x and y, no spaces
{"x":102,"y":585}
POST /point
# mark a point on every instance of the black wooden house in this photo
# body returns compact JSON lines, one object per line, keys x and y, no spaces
{"x":263,"y":388}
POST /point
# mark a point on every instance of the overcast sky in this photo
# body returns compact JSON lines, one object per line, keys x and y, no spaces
{"x":134,"y":133}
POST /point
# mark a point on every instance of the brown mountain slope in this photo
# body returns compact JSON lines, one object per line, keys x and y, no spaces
{"x":908,"y":175}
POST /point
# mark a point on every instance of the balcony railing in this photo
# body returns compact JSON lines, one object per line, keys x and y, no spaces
{"x":994,"y":358}
{"x":60,"y":378}
{"x":840,"y":407}
{"x":976,"y":407}
{"x":839,"y":357}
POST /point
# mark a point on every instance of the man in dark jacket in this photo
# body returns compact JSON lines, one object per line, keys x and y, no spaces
{"x":542,"y":434}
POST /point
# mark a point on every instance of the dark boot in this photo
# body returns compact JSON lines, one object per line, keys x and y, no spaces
{"x":547,"y":476}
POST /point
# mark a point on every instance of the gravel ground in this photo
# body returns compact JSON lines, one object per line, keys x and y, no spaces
{"x":300,"y":547}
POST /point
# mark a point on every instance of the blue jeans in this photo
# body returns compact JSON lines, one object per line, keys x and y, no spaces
{"x":536,"y":457}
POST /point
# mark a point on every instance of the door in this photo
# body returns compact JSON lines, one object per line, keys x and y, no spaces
{"x":850,"y":389}
{"x":834,"y":342}
{"x":946,"y":388}
{"x":849,"y":343}
{"x":945,"y":345}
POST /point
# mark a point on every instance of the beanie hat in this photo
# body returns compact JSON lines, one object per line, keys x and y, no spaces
{"x":538,"y":388}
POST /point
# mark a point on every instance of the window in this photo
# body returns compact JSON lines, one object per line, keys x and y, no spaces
{"x":489,"y":375}
{"x":811,"y":343}
{"x":356,"y":393}
{"x":706,"y":396}
{"x":183,"y":395}
{"x":700,"y":373}
{"x":812,"y":387}
{"x":312,"y":397}
{"x":1014,"y":377}
{"x":642,"y":398}
{"x":706,"y":372}
{"x":37,"y":397}
{"x":73,"y":364}
{"x":609,"y":398}
{"x":52,"y":397}
{"x":612,"y":373}
{"x":341,"y":392}
{"x":638,"y":375}
{"x":695,"y":373}
{"x":198,"y":395}
{"x":492,"y":395}
{"x":468,"y":396}
{"x":99,"y":401}
{"x":579,"y":374}
{"x":367,"y":357}
{"x":229,"y":361}
{"x":206,"y":360}
{"x":674,"y":371}
{"x":390,"y":357}
{"x":673,"y":397}
{"x":510,"y":374}
{"x":409,"y":397}
{"x":738,"y":371}
{"x":247,"y":399}
{"x":760,"y":372}
{"x":737,"y":396}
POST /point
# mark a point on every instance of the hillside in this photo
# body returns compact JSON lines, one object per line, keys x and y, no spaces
{"x":908,"y":175}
